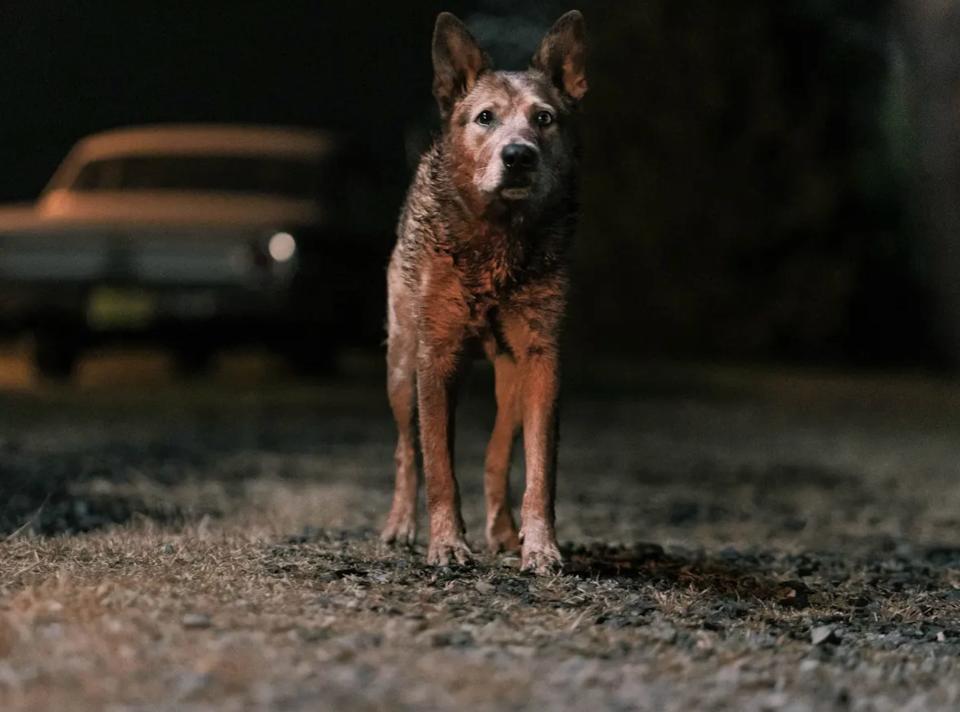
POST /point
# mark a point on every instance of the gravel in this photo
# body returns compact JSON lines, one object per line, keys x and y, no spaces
{"x":752,"y":540}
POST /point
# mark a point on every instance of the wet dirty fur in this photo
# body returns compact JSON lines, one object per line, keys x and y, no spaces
{"x":480,"y":267}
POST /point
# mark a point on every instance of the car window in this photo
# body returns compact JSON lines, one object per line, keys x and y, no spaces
{"x":243,"y":174}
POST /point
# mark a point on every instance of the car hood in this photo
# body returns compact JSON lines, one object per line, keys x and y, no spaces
{"x":131,"y":209}
{"x":17,"y":216}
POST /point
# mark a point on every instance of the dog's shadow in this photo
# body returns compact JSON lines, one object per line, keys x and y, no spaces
{"x":730,"y":575}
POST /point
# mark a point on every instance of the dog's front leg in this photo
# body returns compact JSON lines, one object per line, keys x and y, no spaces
{"x":437,"y":365}
{"x":531,"y":330}
{"x":539,"y":379}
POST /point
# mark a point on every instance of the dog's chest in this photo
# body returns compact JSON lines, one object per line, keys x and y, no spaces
{"x":488,"y":258}
{"x":487,"y":274}
{"x":483,"y":299}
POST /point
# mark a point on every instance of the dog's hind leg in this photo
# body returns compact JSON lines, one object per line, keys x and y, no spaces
{"x":401,"y":526}
{"x":501,"y":529}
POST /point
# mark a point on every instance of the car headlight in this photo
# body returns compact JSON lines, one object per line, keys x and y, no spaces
{"x":282,"y":247}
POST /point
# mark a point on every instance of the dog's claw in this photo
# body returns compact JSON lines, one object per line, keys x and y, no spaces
{"x":447,"y":551}
{"x":540,"y":554}
{"x":542,"y":562}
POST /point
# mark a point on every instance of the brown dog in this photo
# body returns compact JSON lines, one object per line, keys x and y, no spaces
{"x":480,"y":262}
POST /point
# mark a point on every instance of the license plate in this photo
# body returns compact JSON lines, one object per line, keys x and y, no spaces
{"x":112,"y":308}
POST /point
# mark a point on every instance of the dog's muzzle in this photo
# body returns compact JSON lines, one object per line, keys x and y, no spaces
{"x":519,"y":160}
{"x":519,"y":157}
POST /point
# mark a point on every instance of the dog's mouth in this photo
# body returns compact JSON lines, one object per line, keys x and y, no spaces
{"x":517,"y":187}
{"x":516,"y":192}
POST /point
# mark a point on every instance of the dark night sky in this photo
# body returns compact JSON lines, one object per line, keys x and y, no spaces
{"x":73,"y":67}
{"x":737,"y":167}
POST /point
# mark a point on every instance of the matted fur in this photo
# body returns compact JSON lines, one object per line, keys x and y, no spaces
{"x":480,"y":261}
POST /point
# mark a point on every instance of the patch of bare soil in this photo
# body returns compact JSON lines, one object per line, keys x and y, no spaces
{"x":739,"y":540}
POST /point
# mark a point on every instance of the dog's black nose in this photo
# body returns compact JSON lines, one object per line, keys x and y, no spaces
{"x":517,"y":156}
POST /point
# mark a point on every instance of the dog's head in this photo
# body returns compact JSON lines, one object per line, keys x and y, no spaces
{"x":508,"y":133}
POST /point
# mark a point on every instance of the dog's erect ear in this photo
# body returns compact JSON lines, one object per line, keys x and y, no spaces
{"x":562,"y":55}
{"x":457,"y":61}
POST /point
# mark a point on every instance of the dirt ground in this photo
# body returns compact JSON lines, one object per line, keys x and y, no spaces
{"x":737,"y":539}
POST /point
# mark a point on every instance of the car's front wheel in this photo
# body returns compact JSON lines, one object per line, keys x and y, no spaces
{"x":56,"y":351}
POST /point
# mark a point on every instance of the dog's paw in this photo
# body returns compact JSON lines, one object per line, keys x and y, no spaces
{"x":502,"y":535}
{"x":401,"y":528}
{"x":541,"y":561}
{"x":540,"y":554}
{"x":446,"y":550}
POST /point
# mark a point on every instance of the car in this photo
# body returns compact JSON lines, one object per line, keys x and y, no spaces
{"x":196,"y":236}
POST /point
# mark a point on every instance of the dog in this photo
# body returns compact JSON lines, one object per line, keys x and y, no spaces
{"x":480,"y":267}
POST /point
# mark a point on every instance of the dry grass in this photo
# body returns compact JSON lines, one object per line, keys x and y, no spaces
{"x":241,"y":568}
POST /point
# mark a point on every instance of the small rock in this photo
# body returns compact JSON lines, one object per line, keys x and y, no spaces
{"x":311,"y":635}
{"x":793,"y":594}
{"x":353,"y":643}
{"x":168,"y":549}
{"x":662,"y":630}
{"x":196,"y":620}
{"x":823,"y":634}
{"x":618,"y":622}
{"x":189,"y":684}
{"x":399,"y":628}
{"x":522,"y":651}
{"x":484,"y":587}
{"x":455,"y":639}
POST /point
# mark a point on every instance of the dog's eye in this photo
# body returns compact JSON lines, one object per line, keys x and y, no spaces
{"x":485,"y":118}
{"x":544,"y":118}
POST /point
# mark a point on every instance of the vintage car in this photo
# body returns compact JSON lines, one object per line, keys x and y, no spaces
{"x":195,"y":236}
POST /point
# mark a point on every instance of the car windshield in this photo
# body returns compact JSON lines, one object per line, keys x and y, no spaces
{"x":286,"y":177}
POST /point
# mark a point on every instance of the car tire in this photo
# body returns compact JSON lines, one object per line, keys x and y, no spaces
{"x":56,"y":352}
